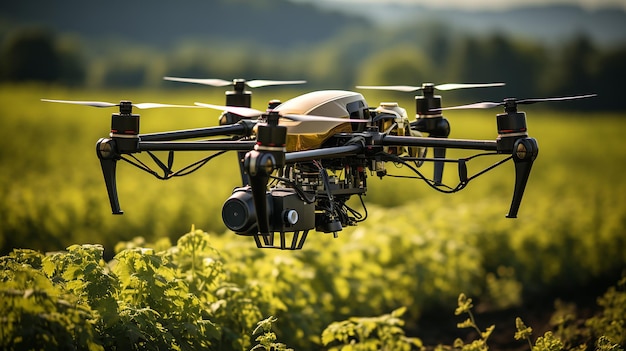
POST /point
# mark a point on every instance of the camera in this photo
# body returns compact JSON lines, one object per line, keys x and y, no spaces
{"x":287,"y":211}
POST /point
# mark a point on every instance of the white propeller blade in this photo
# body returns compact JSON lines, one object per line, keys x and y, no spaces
{"x":408,"y":88}
{"x":485,"y":105}
{"x":222,"y":83}
{"x":241,"y":111}
{"x":404,"y":88}
{"x":84,"y":103}
{"x":453,"y":86}
{"x":250,"y":112}
{"x":481,"y":105}
{"x":532,"y":101}
{"x":264,"y":83}
{"x":212,"y":82}
{"x":145,"y":105}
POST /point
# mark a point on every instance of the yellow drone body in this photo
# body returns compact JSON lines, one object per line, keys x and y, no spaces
{"x":329,"y":103}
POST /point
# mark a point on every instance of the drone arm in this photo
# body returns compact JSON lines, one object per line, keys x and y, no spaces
{"x":487,"y":145}
{"x":109,"y":151}
{"x":244,"y":127}
{"x":524,"y":153}
{"x":309,"y":155}
{"x":195,"y":145}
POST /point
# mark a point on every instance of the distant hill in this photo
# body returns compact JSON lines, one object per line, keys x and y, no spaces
{"x":122,"y":43}
{"x":286,"y":24}
{"x":548,"y":24}
{"x":163,"y":23}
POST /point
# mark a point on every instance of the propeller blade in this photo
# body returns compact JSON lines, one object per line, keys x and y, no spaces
{"x":312,"y":118}
{"x":148,"y":105}
{"x":84,"y":103}
{"x":264,"y":83}
{"x":404,"y":88}
{"x":101,"y":104}
{"x":257,"y":83}
{"x":482,"y":105}
{"x":241,"y":111}
{"x":250,"y":112}
{"x":453,"y":86}
{"x":532,"y":101}
{"x":449,"y":86}
{"x":212,"y":82}
{"x":485,"y":105}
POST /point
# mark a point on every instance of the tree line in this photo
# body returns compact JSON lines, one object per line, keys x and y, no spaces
{"x":422,"y":53}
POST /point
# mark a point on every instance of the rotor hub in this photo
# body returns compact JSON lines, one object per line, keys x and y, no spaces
{"x":510,"y":105}
{"x":511,"y":127}
{"x":126,"y":107}
{"x":424,"y":105}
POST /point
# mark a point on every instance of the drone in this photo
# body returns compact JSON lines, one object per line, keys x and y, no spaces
{"x":302,"y":160}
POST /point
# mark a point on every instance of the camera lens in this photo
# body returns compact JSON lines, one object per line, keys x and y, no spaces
{"x":238,"y":212}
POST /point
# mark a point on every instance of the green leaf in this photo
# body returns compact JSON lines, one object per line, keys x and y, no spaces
{"x":523,"y":331}
{"x":487,"y":333}
{"x":548,"y":342}
{"x":464,"y":305}
{"x":465,"y":324}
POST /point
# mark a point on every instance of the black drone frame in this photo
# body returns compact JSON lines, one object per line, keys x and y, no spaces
{"x":266,"y":153}
{"x":260,"y":147}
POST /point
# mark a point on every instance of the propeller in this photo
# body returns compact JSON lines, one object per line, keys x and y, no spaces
{"x":257,"y":83}
{"x":429,"y":119}
{"x":487,"y":104}
{"x":251,"y":113}
{"x":124,"y":131}
{"x":102,"y":104}
{"x":408,"y":88}
{"x":238,"y":97}
{"x":512,"y":137}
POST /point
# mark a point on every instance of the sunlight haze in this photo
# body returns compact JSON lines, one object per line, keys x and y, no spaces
{"x":493,"y":4}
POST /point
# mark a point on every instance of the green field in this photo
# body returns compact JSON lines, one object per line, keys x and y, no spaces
{"x":53,"y":193}
{"x":418,"y":249}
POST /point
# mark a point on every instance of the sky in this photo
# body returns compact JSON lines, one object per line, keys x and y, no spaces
{"x":496,"y":4}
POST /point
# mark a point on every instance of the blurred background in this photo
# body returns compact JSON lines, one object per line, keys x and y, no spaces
{"x":52,"y":188}
{"x":51,"y":184}
{"x":420,"y":248}
{"x":539,"y":48}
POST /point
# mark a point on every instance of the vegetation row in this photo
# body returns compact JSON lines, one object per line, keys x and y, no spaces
{"x":191,"y":296}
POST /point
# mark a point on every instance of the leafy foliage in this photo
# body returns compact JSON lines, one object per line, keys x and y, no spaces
{"x":605,"y":329}
{"x":547,"y":342}
{"x":374,"y":333}
{"x":611,"y":323}
{"x":464,"y":306}
{"x":39,"y":314}
{"x":142,"y":300}
{"x":191,"y":296}
{"x":267,"y":339}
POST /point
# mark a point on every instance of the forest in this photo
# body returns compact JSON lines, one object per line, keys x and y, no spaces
{"x":328,"y":49}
